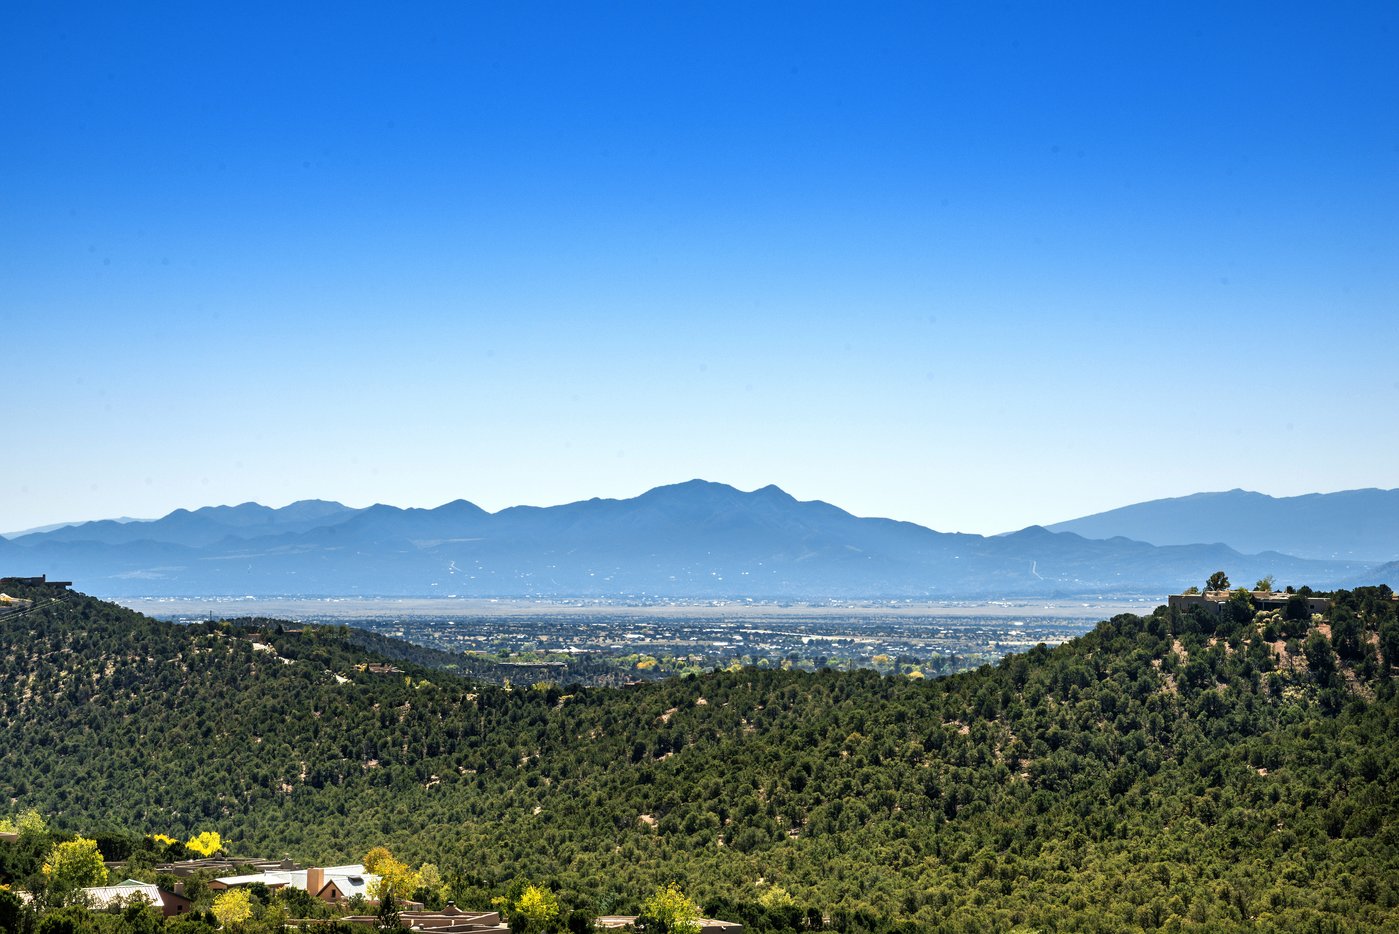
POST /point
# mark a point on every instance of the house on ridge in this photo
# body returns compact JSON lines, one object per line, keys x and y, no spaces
{"x":1212,"y":601}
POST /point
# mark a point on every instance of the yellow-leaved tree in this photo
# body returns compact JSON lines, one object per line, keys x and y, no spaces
{"x":535,"y":910}
{"x":27,"y":822}
{"x":205,"y":844}
{"x":395,"y":878}
{"x":668,"y":911}
{"x":374,"y":857}
{"x":73,"y":865}
{"x":529,"y":908}
{"x":430,"y":881}
{"x":233,"y":907}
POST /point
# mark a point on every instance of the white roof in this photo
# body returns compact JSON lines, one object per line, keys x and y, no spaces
{"x":352,"y":885}
{"x":269,"y":879}
{"x":107,"y":896}
{"x":351,"y":879}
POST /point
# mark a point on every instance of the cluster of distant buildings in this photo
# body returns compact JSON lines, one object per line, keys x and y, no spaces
{"x":334,"y":884}
{"x":337,"y":885}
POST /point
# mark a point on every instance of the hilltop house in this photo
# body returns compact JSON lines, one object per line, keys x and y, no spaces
{"x":1212,"y":601}
{"x":41,"y":581}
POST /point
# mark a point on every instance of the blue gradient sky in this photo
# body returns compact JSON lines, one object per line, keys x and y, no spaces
{"x":973,"y":267}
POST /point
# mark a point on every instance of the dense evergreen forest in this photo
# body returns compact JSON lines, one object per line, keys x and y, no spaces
{"x":1165,"y":772}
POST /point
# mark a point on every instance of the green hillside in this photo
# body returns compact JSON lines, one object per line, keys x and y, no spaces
{"x":1161,"y":772}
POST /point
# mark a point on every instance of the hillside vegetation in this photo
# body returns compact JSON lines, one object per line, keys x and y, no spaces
{"x":1162,"y":772}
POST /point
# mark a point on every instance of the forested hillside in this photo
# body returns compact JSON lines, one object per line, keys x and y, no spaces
{"x":1159,"y":772}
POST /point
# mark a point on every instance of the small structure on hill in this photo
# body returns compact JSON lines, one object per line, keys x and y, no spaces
{"x":1212,"y":601}
{"x":41,"y":581}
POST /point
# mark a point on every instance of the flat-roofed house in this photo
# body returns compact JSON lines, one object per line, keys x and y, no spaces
{"x":1212,"y":601}
{"x":706,"y":925}
{"x":328,"y":883}
{"x":225,"y":864}
{"x":450,"y":920}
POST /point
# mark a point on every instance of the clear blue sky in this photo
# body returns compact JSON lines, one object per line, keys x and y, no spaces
{"x":973,"y":265}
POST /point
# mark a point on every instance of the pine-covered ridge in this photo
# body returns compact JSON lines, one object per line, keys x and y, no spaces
{"x":1160,"y":771}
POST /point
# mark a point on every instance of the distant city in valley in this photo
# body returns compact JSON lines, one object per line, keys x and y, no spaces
{"x":593,"y":643}
{"x":699,"y":575}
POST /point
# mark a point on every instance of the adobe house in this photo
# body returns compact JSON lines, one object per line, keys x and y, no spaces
{"x":228,"y":864}
{"x":707,"y":925}
{"x":329,"y":883}
{"x":41,"y":581}
{"x":450,"y":920}
{"x":1212,"y":601}
{"x":336,"y":886}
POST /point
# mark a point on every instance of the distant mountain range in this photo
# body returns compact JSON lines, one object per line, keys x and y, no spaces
{"x":687,"y":541}
{"x":1354,"y":525}
{"x":202,"y":526}
{"x":59,"y":525}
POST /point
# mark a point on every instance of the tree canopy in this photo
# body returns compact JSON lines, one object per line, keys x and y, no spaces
{"x":668,"y":911}
{"x":233,"y":907}
{"x":72,"y":865}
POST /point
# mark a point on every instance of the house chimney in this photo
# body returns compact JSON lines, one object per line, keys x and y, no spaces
{"x":315,"y":880}
{"x":179,"y":888}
